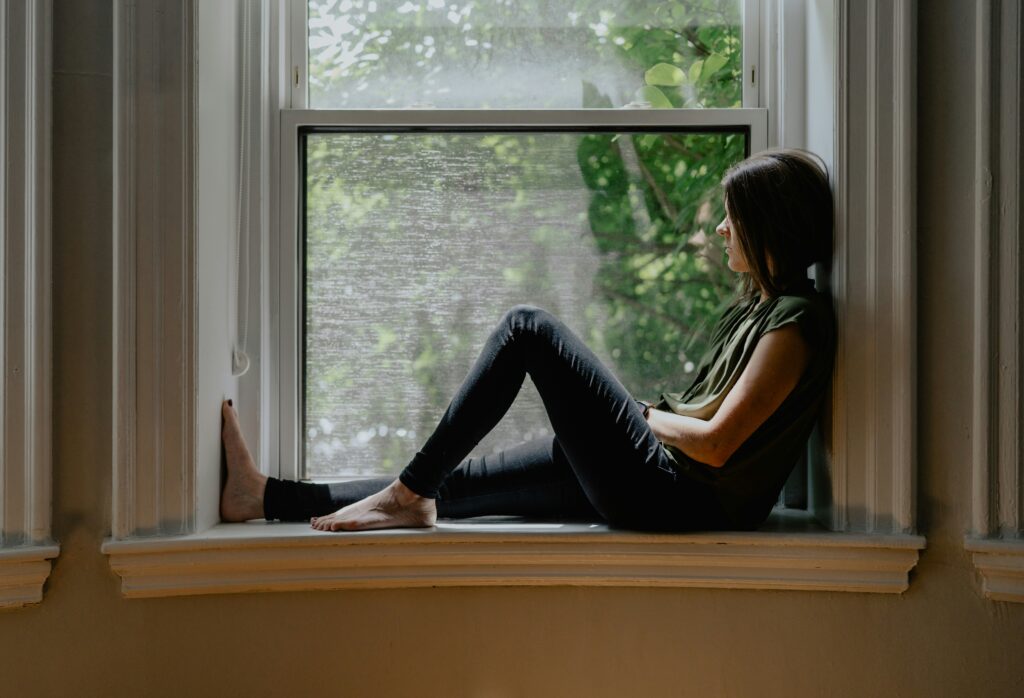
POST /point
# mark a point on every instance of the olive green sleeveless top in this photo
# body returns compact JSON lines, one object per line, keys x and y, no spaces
{"x":749,"y":483}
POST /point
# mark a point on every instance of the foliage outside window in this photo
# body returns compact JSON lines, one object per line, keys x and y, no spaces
{"x":535,"y":54}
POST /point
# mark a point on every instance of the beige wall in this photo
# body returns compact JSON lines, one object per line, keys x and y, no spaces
{"x":938,"y":639}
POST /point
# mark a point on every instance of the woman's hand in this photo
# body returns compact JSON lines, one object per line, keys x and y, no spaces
{"x":774,"y":369}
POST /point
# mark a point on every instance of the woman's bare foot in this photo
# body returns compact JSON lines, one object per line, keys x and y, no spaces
{"x":242,"y":496}
{"x":396,"y":506}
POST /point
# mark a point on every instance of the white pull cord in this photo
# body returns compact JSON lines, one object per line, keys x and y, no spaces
{"x":239,"y":359}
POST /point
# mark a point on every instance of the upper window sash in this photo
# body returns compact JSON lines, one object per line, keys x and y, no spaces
{"x":296,"y":52}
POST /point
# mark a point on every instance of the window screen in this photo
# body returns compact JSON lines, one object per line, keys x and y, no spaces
{"x":416,"y":243}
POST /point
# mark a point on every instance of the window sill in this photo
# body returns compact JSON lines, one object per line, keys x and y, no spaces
{"x":1001,"y":564}
{"x":23,"y":571}
{"x":791,"y":552}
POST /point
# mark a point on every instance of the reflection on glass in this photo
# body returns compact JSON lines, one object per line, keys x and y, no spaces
{"x":524,"y":53}
{"x":416,"y":244}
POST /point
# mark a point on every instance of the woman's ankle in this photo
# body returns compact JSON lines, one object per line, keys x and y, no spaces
{"x":403,"y":494}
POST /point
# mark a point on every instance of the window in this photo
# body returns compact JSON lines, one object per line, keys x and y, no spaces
{"x":406,"y":274}
{"x":166,"y":539}
{"x":418,"y":232}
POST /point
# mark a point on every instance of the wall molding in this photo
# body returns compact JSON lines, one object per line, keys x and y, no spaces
{"x":873,"y":406}
{"x":23,"y":571}
{"x":257,"y":557}
{"x":154,"y":287}
{"x":1000,"y":564}
{"x":25,"y":301}
{"x":997,"y":528}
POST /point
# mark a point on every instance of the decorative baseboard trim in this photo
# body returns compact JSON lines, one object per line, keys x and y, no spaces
{"x":259,"y":557}
{"x":1001,"y":564}
{"x":23,"y":571}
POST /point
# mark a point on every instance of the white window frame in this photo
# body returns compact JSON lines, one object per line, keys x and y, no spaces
{"x":26,"y":546}
{"x":866,"y":486}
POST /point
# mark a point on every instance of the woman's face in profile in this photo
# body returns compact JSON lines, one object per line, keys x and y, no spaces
{"x":737,"y":262}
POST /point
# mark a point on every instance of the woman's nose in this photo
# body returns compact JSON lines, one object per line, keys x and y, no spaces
{"x":722,"y":229}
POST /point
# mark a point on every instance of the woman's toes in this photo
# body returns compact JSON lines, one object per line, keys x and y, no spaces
{"x":228,"y":412}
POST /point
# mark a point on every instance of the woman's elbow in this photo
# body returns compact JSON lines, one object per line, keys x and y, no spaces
{"x":716,"y":460}
{"x":718,"y":452}
{"x":707,"y":444}
{"x":705,"y":454}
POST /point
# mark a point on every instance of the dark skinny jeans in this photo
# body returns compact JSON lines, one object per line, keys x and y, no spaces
{"x":603,"y":462}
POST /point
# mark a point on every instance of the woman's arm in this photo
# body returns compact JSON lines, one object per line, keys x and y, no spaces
{"x":774,"y":369}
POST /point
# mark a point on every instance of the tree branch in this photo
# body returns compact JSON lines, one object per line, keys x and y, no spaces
{"x":666,"y":205}
{"x":673,"y":142}
{"x":690,"y":33}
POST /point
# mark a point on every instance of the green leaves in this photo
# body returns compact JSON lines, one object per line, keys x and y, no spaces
{"x":712,"y":64}
{"x":657,"y":98}
{"x":702,"y":70}
{"x":665,"y":74}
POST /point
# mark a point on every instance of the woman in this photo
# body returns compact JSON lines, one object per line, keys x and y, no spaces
{"x":712,"y":457}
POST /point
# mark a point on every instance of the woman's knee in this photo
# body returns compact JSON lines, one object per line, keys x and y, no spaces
{"x":522,"y":312}
{"x":526,"y":317}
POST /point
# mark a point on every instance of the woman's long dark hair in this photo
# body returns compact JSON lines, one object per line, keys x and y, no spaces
{"x":780,"y":205}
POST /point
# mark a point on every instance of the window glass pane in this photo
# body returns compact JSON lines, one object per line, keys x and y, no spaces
{"x":416,"y":244}
{"x":524,"y":53}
